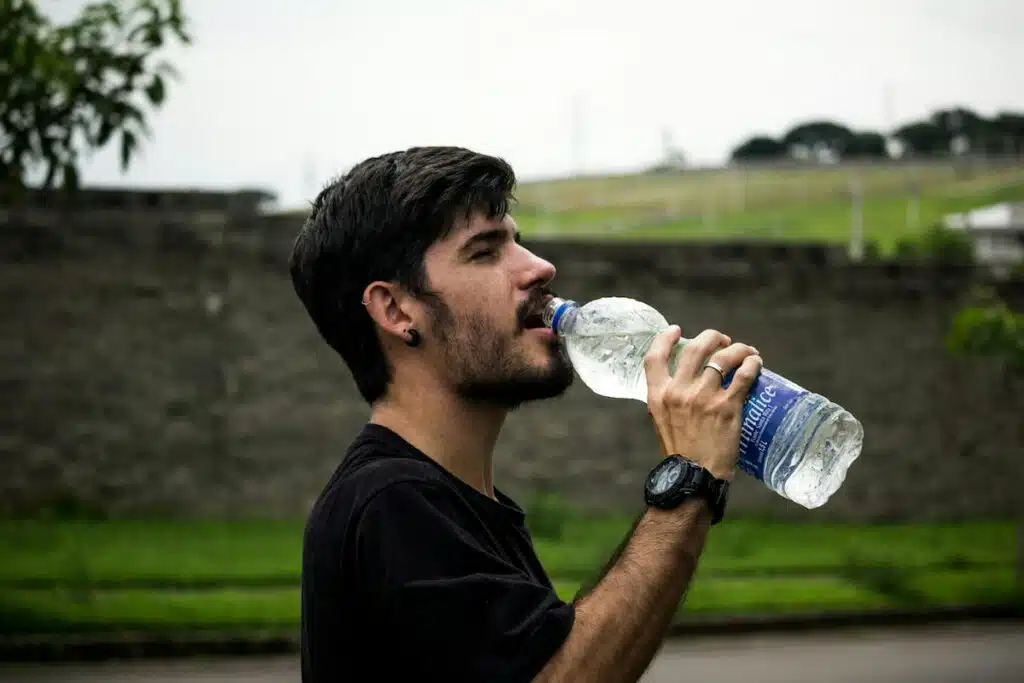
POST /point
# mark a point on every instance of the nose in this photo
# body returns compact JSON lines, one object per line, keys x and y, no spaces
{"x":539,"y":271}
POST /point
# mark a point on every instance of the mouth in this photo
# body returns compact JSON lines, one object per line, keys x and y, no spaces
{"x":533,"y":321}
{"x":534,"y":318}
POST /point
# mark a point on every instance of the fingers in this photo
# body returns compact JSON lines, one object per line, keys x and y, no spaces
{"x":744,"y":378}
{"x":691,"y":358}
{"x":656,"y":358}
{"x":729,"y":359}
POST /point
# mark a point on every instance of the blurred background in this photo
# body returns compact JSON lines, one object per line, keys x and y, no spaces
{"x":840,"y":184}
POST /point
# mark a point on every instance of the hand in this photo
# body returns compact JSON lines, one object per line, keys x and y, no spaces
{"x":693,"y":415}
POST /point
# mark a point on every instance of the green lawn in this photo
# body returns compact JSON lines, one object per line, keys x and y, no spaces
{"x":268,"y":553}
{"x":744,"y":547}
{"x":60,"y":611}
{"x":86,"y":552}
{"x":77,"y":610}
{"x":55,"y":611}
{"x":750,"y":188}
{"x":825,"y":216}
{"x":83,"y":576}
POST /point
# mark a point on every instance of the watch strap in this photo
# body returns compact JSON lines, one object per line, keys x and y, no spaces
{"x":702,"y":484}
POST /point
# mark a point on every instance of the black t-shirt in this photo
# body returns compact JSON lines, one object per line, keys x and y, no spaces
{"x":408,"y":573}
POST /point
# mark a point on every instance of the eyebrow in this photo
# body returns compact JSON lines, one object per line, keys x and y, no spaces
{"x":485,"y":236}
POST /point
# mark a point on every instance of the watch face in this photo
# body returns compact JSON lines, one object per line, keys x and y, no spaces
{"x":667,"y":477}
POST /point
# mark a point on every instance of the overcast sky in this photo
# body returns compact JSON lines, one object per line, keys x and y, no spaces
{"x":282,"y":95}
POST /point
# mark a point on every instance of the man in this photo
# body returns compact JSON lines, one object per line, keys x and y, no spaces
{"x":415,"y":566}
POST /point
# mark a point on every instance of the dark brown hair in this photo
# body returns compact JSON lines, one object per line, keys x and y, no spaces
{"x":376,"y":222}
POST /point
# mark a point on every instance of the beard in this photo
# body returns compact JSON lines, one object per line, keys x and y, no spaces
{"x":488,"y":367}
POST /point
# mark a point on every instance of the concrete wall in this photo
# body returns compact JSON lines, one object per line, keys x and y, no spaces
{"x":157,"y":367}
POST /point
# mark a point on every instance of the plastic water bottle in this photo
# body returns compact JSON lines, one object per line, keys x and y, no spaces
{"x":799,"y":444}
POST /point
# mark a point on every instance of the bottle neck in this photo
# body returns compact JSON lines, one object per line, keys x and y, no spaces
{"x":555,"y":313}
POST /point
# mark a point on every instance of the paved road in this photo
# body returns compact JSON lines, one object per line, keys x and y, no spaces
{"x":950,"y":655}
{"x":968,"y":654}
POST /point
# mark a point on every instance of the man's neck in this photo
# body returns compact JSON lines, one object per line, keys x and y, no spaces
{"x":458,"y":435}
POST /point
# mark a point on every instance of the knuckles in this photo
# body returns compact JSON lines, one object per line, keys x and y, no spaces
{"x":746,"y":373}
{"x":691,"y":401}
{"x":748,"y":350}
{"x":707,"y":341}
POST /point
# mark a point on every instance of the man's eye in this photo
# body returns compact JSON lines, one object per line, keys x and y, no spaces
{"x":483,"y":254}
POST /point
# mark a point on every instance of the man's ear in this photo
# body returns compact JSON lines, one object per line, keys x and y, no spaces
{"x":387,"y":305}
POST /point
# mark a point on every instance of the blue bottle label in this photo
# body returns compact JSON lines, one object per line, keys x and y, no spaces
{"x":767,"y":405}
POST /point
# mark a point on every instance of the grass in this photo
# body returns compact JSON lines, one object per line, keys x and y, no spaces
{"x":87,"y":552}
{"x":62,"y":576}
{"x":71,"y":610}
{"x":61,"y":611}
{"x":755,"y":547}
{"x":796,"y":205}
{"x":748,"y":189}
{"x":268,"y":553}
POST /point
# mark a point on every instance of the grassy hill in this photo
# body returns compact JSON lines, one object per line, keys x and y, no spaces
{"x":770,"y":203}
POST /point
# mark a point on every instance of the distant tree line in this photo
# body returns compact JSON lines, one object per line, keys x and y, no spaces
{"x":948,"y":132}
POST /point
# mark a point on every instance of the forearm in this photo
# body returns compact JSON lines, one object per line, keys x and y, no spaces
{"x":622,"y":622}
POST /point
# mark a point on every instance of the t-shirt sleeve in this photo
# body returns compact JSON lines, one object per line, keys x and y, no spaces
{"x":446,"y":599}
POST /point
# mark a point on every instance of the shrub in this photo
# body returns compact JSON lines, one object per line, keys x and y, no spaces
{"x":546,"y":515}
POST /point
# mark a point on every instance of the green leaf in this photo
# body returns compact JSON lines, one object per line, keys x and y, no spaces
{"x":155,"y":91}
{"x":992,"y":329}
{"x":153,"y":37}
{"x":128,"y":145}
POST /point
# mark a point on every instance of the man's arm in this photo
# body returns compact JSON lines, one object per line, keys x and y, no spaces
{"x":589,"y":586}
{"x":621,"y":623}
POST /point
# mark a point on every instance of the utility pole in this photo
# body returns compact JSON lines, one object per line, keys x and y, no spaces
{"x":856,"y":218}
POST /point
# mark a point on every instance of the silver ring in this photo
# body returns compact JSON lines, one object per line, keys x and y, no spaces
{"x":716,"y":367}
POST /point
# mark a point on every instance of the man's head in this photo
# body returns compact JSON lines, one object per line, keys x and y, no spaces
{"x":418,"y":246}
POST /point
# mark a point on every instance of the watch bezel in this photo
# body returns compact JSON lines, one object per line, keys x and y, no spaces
{"x":695,"y":480}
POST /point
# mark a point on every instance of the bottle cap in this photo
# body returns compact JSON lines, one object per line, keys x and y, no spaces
{"x":554,"y":311}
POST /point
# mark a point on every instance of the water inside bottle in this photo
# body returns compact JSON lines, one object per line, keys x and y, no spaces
{"x":608,"y":364}
{"x":813,"y":451}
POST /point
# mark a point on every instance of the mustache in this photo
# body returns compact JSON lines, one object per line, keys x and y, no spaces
{"x":533,"y":304}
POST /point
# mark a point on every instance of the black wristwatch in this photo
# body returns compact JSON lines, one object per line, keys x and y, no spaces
{"x":676,"y":479}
